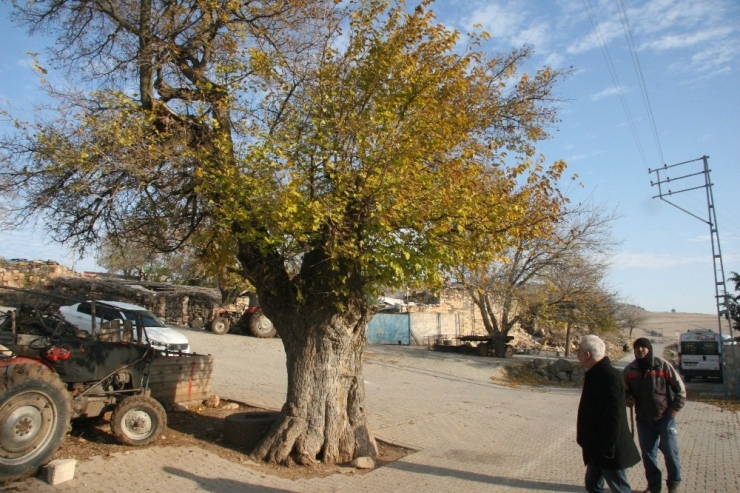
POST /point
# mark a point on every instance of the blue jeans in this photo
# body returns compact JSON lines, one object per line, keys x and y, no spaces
{"x":617,"y":479}
{"x":659,"y":435}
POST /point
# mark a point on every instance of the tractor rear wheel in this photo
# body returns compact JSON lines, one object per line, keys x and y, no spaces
{"x":35,"y":413}
{"x":261,"y":326}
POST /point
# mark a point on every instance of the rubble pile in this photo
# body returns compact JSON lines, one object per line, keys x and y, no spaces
{"x":41,"y":322}
{"x":524,"y":342}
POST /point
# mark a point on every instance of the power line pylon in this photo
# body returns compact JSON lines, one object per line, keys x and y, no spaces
{"x":688,"y":182}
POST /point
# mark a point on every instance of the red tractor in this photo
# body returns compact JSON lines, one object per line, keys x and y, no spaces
{"x":46,"y":382}
{"x":245,"y":315}
{"x":256,"y":321}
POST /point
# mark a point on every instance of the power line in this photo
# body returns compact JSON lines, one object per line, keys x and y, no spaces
{"x":641,"y":79}
{"x":615,"y":78}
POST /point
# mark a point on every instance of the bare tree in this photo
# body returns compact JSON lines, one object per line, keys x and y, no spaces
{"x":631,"y":317}
{"x":544,"y":274}
{"x":573,"y":293}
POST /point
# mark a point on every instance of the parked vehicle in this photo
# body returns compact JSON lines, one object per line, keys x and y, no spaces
{"x":700,"y":354}
{"x":54,"y":380}
{"x":158,"y":334}
{"x":251,"y":317}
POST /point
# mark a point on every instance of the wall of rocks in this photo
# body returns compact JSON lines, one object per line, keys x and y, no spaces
{"x":50,"y":285}
{"x":559,"y":371}
{"x":460,"y":316}
{"x":27,"y":274}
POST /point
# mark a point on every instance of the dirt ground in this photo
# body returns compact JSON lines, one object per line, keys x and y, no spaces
{"x":203,"y":427}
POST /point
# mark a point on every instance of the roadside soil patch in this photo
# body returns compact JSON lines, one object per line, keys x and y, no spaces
{"x":203,"y":427}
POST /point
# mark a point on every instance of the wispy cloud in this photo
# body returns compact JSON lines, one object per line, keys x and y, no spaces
{"x":609,"y":91}
{"x":640,"y":260}
{"x":684,"y":40}
{"x":607,"y":31}
{"x":703,"y":33}
{"x":536,"y":34}
{"x":582,"y":157}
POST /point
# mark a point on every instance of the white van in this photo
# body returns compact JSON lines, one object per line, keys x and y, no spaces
{"x":700,"y":354}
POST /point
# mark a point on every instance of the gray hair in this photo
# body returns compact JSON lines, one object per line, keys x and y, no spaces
{"x":594,"y":345}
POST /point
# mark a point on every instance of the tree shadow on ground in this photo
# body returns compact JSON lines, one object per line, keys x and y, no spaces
{"x":219,"y":485}
{"x":524,"y":484}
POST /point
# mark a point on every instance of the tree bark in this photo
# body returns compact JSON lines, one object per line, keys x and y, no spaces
{"x":323,"y":417}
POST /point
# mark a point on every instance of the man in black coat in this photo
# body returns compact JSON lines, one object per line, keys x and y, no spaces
{"x":602,"y":428}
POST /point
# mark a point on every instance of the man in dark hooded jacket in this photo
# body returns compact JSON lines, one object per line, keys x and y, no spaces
{"x":658,"y":393}
{"x":602,"y":429}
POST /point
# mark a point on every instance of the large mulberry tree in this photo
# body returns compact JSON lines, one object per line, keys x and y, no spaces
{"x":332,"y":149}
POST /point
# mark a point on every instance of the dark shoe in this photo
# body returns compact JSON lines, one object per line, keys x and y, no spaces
{"x":653,"y":488}
{"x":673,"y":486}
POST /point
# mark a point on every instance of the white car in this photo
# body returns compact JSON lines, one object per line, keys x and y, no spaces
{"x":159,"y":335}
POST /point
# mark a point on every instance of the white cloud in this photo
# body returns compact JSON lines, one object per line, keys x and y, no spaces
{"x":554,"y":59}
{"x":512,"y":23}
{"x":660,"y":15}
{"x":499,"y":19}
{"x":702,"y":33}
{"x":609,"y":91}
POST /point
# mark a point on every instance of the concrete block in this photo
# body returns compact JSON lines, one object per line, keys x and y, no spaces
{"x":60,"y":470}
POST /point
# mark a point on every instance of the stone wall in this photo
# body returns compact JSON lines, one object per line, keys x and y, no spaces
{"x":28,"y":274}
{"x":453,"y":300}
{"x":50,"y":285}
{"x":176,"y":305}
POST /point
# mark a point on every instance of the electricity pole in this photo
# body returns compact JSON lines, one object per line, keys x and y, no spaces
{"x":685,"y":183}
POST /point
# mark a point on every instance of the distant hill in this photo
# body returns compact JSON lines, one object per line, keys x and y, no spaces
{"x":668,"y":325}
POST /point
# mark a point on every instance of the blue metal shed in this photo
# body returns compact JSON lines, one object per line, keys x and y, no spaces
{"x":389,"y":328}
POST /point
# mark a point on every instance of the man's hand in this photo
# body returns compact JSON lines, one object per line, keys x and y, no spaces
{"x":630,"y":401}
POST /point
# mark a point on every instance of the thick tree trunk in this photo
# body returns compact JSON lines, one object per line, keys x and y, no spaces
{"x":324,"y":414}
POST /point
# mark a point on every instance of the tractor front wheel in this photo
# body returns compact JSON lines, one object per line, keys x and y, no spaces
{"x":138,"y":420}
{"x":220,"y":325}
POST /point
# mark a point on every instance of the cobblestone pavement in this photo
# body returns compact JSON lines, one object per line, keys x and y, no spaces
{"x":471,"y":434}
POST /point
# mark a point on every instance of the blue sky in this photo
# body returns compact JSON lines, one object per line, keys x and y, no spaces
{"x":689,"y":55}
